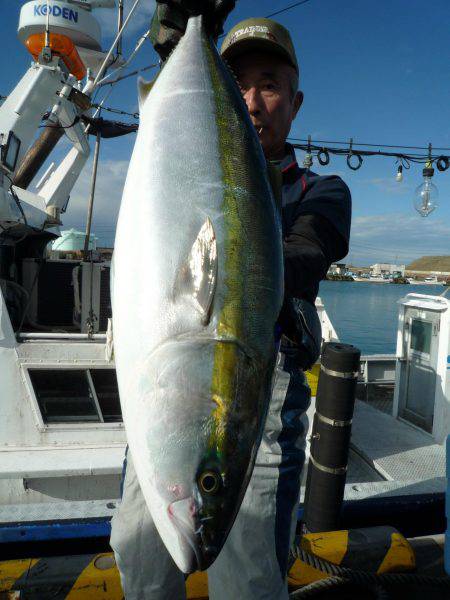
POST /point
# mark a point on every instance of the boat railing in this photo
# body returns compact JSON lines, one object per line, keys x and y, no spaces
{"x":41,"y":336}
{"x":377,"y":369}
{"x":376,"y":381}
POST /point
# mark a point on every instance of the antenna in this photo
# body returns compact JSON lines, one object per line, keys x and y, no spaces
{"x":47,"y":27}
{"x":119,"y":26}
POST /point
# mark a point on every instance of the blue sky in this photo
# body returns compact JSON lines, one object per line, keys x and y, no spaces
{"x":374,"y":71}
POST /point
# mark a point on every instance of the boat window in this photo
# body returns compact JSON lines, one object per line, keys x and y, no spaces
{"x":105,"y":383}
{"x":64,"y":396}
{"x":10,"y":152}
{"x":421,"y":336}
{"x":67,"y":395}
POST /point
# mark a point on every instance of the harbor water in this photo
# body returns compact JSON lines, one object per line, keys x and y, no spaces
{"x":366,"y":314}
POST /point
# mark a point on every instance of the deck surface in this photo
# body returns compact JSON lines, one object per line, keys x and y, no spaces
{"x":398,"y":451}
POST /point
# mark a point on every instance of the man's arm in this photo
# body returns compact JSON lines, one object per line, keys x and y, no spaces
{"x":171,"y":16}
{"x":319,"y":234}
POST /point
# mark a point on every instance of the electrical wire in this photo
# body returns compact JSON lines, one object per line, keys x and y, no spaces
{"x":117,"y":111}
{"x":278,"y":12}
{"x":286,"y":8}
{"x":131,"y":74}
{"x":355,"y":155}
{"x":370,"y":145}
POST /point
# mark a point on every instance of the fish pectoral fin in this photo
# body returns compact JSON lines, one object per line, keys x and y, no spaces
{"x":144,"y":89}
{"x":197,"y":277}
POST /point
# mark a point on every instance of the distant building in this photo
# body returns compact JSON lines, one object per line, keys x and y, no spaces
{"x":380,"y":269}
{"x":70,"y":245}
{"x":72,"y":240}
{"x":337,"y":269}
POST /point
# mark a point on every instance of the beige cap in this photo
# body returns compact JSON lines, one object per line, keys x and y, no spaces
{"x":259,"y":34}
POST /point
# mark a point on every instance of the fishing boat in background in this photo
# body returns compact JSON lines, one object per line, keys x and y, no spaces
{"x":371,"y":278}
{"x":431,"y":280}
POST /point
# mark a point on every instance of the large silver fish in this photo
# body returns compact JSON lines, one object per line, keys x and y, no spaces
{"x":198,"y":285}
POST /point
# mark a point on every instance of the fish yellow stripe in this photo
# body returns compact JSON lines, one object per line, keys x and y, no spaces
{"x":230,"y":323}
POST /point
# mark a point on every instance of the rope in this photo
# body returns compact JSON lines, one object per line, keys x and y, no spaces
{"x":363,"y":578}
{"x":323,"y":586}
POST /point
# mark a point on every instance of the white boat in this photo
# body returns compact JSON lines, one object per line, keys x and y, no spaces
{"x":62,"y":440}
{"x":432,"y":280}
{"x":371,"y":279}
{"x":61,"y":434}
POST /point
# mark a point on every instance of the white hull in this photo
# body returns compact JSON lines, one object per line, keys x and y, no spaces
{"x":371,"y":280}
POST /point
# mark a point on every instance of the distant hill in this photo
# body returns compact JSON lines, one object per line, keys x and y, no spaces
{"x":430,"y":263}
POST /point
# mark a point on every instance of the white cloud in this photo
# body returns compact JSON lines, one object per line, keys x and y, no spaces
{"x":139,"y":22}
{"x":398,"y":238}
{"x":110,"y":181}
{"x":389,"y":185}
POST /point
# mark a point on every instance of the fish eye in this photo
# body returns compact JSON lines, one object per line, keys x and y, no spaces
{"x":210,"y":482}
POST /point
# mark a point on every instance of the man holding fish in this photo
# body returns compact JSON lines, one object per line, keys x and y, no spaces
{"x":200,"y":405}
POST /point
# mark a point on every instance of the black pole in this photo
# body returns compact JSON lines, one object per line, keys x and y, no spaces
{"x":87,"y":237}
{"x":327,"y":469}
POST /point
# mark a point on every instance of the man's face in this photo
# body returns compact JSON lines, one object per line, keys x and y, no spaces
{"x":266,"y":85}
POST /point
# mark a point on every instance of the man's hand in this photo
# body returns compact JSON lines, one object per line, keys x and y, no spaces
{"x":171,"y":16}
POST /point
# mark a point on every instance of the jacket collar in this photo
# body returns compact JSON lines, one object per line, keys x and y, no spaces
{"x":289,"y":161}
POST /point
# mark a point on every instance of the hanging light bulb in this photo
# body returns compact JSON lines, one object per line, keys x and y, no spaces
{"x":399,"y":176}
{"x":308,"y":160}
{"x":426,"y":194}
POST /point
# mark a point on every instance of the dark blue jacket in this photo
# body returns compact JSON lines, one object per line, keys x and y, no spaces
{"x":316,"y":218}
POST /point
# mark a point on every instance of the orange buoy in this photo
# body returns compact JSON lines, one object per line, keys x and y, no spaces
{"x":60,"y":45}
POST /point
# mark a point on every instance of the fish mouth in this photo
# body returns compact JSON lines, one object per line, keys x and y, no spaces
{"x":184,"y":516}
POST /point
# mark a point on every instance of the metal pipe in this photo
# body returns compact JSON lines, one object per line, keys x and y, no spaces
{"x":330,"y":442}
{"x":91,"y":197}
{"x":91,"y":87}
{"x":119,"y":26}
{"x":106,"y":79}
{"x":100,"y":337}
{"x":47,"y":26}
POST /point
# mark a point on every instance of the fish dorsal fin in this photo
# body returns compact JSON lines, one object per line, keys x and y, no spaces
{"x":144,"y":89}
{"x":197,"y":276}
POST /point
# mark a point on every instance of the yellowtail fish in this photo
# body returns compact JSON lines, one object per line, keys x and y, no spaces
{"x":198,"y":286}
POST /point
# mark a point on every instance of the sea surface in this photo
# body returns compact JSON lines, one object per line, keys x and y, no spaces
{"x":366,"y":314}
